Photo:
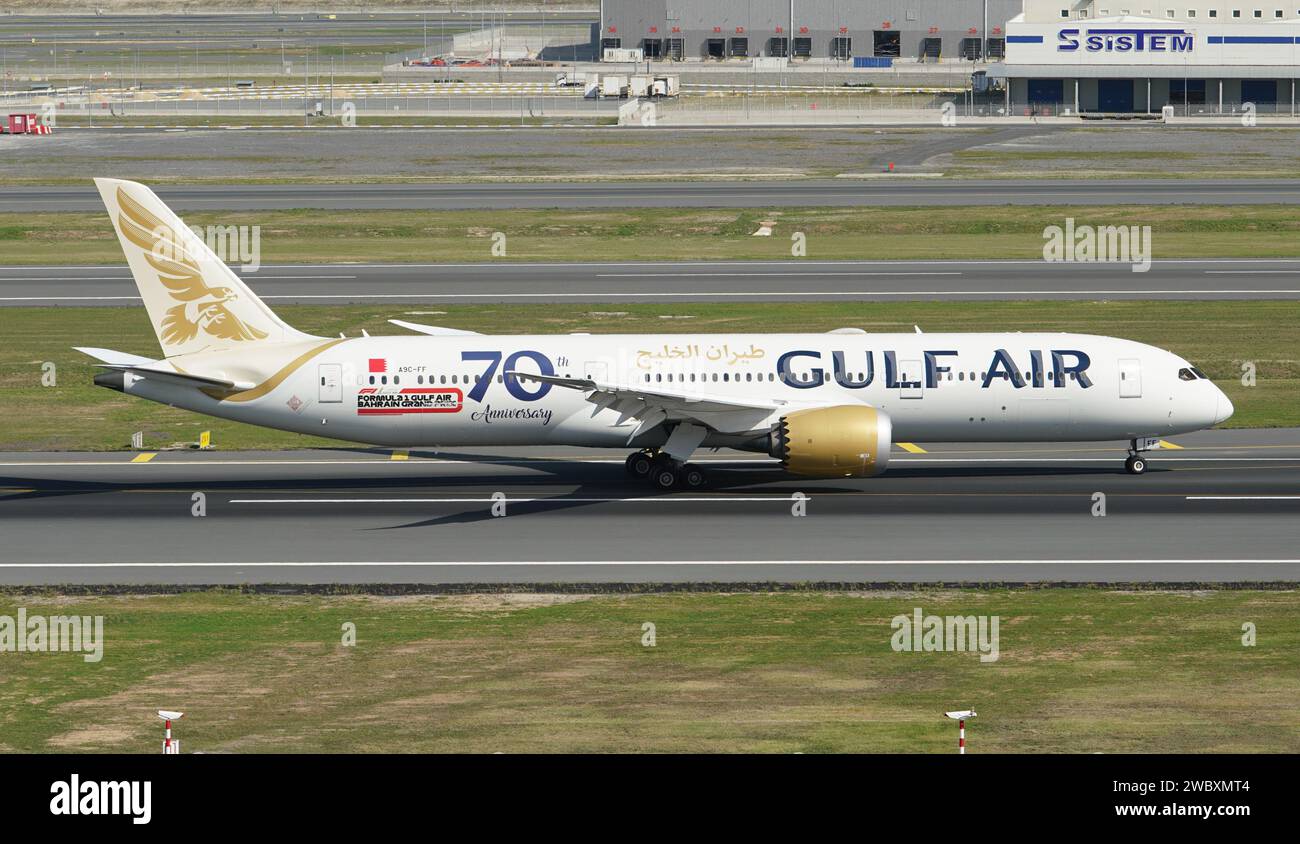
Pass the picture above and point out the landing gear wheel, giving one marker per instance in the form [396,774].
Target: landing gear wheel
[639,464]
[1135,465]
[664,476]
[692,477]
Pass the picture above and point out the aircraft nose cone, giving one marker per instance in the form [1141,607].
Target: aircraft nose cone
[1223,409]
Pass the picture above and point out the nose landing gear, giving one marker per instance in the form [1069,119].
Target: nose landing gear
[1136,464]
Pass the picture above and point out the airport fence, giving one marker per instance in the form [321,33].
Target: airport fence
[500,107]
[1207,110]
[831,106]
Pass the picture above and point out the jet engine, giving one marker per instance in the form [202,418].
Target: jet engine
[846,441]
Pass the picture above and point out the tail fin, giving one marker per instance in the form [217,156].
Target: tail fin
[196,303]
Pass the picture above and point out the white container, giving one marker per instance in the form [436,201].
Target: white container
[613,86]
[623,54]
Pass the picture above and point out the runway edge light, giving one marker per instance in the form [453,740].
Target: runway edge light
[960,717]
[170,745]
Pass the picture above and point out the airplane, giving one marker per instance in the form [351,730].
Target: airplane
[828,405]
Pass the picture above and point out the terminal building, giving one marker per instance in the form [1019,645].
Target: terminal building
[1138,56]
[856,31]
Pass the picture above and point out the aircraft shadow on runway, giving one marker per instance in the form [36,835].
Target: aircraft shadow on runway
[588,481]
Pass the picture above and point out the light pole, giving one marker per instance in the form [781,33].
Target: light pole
[960,717]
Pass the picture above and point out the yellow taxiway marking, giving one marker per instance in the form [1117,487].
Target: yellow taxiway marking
[400,454]
[144,458]
[1168,444]
[912,447]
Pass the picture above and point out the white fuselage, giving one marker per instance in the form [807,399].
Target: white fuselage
[452,390]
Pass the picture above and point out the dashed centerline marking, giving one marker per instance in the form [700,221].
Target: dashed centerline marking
[911,447]
[1168,444]
[400,454]
[144,458]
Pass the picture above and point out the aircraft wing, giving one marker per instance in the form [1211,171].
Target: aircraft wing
[652,406]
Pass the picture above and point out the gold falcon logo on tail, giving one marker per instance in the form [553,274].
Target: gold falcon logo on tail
[200,308]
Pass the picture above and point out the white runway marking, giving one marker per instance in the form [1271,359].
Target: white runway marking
[759,275]
[809,294]
[1243,497]
[739,263]
[667,499]
[418,460]
[722,294]
[247,276]
[626,563]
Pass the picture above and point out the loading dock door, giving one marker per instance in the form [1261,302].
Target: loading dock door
[1259,91]
[1115,95]
[777,47]
[841,48]
[675,49]
[931,48]
[739,48]
[888,43]
[716,48]
[802,48]
[652,48]
[1046,90]
[331,382]
[1130,378]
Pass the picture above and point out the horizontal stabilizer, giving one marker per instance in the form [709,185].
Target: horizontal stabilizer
[431,330]
[116,358]
[183,379]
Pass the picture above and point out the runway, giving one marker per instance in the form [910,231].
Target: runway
[693,193]
[693,281]
[1222,507]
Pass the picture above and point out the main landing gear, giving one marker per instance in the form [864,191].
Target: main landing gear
[663,471]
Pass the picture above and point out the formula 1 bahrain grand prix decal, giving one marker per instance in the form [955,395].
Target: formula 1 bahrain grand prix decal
[372,402]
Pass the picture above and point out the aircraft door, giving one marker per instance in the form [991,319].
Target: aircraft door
[331,383]
[1130,378]
[911,379]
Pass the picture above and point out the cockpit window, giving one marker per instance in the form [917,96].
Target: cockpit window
[1200,374]
[1186,374]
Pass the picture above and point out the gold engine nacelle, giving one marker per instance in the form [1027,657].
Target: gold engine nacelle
[845,441]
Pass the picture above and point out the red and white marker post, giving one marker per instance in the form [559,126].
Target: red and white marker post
[960,717]
[170,745]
